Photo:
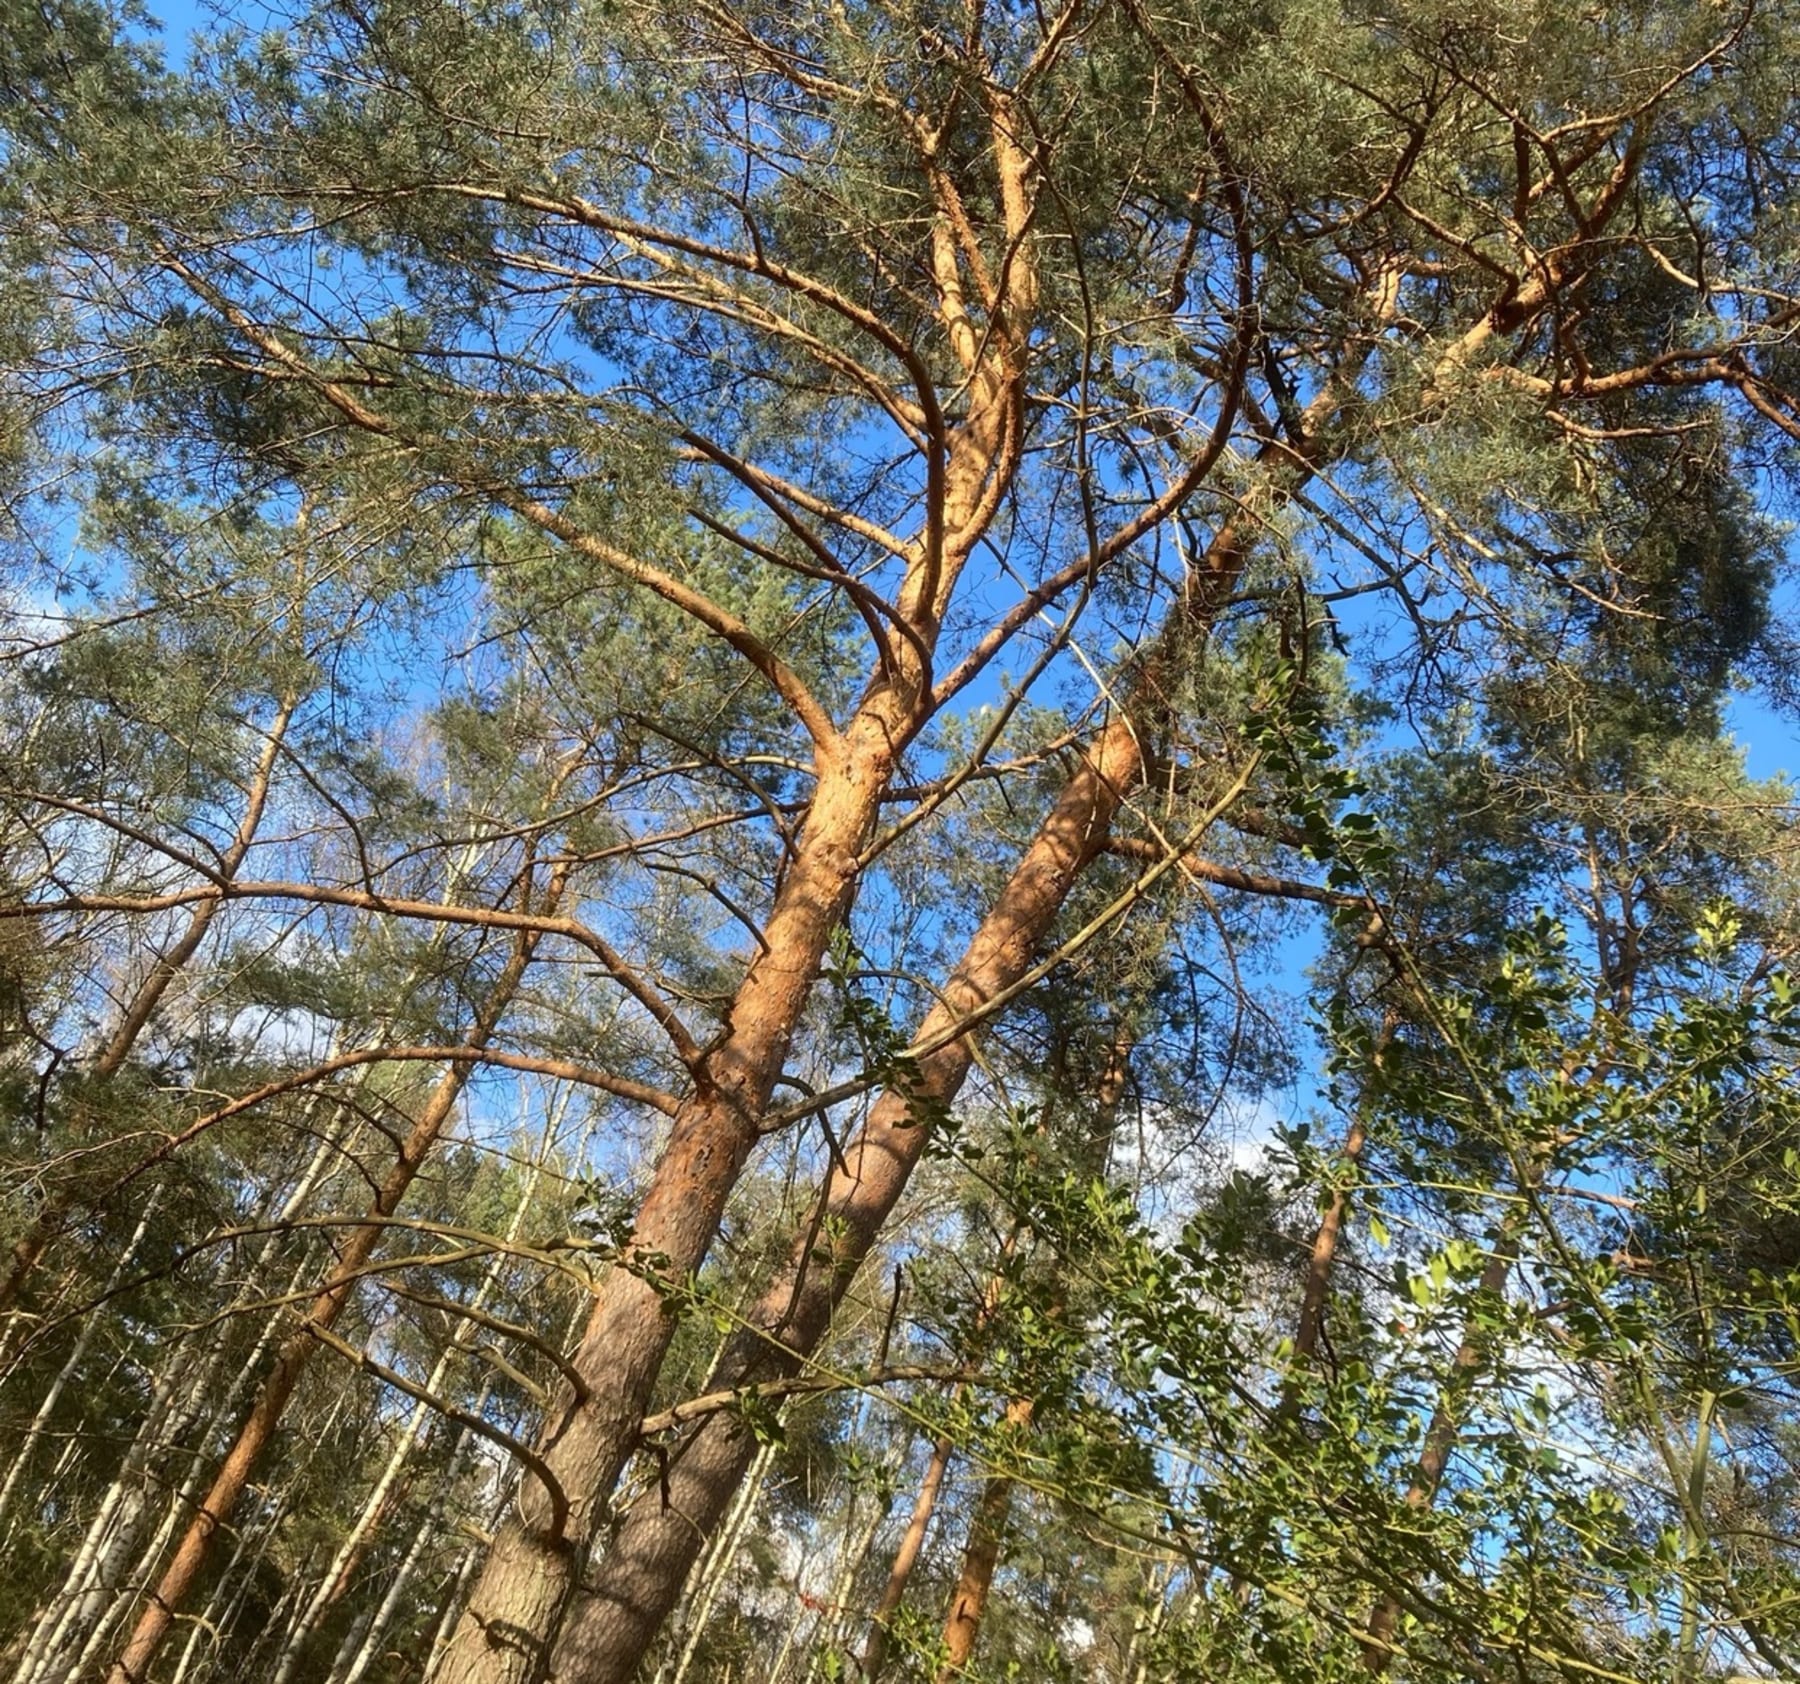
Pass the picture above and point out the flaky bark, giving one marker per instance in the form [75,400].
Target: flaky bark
[638,1581]
[516,1605]
[605,1632]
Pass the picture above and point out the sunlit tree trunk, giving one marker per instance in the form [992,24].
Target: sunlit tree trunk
[511,1629]
[633,1588]
[906,1558]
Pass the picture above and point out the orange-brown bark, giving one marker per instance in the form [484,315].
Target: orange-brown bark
[981,1559]
[906,1558]
[523,1599]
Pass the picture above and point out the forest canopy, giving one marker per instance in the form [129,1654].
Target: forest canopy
[884,839]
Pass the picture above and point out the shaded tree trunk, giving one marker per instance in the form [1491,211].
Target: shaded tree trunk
[906,1558]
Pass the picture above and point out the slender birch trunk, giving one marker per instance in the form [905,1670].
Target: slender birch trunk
[717,1565]
[71,1364]
[114,1528]
[329,1303]
[361,1535]
[375,1627]
[834,1619]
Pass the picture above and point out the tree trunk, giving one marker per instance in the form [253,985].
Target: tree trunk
[174,1411]
[987,1529]
[510,1629]
[72,1363]
[361,1536]
[253,1438]
[608,1630]
[506,1632]
[981,1558]
[906,1558]
[720,1561]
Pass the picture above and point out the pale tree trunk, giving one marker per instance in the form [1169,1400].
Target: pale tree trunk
[258,1429]
[91,1588]
[455,1598]
[716,1567]
[118,1508]
[359,1649]
[375,1628]
[88,1586]
[361,1535]
[1145,1629]
[71,1364]
[833,1621]
[176,1512]
[229,1595]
